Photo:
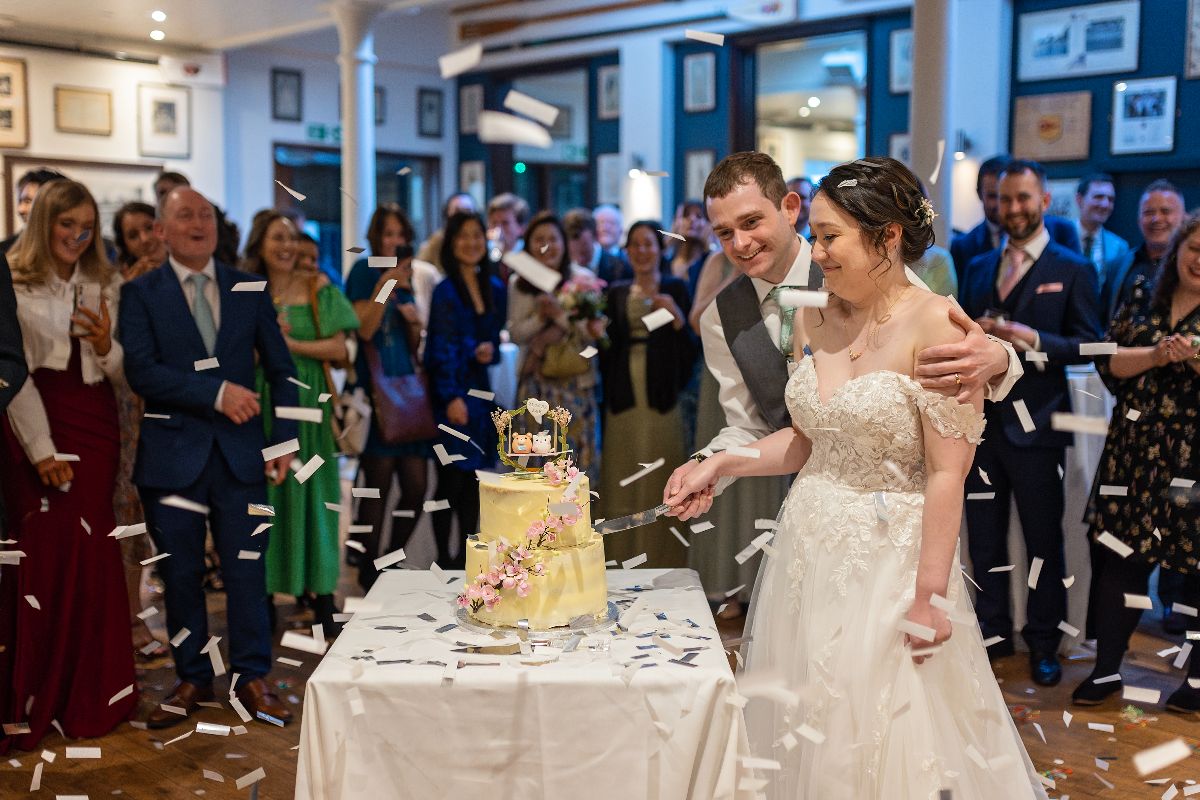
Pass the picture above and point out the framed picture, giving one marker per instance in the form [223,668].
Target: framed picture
[1144,116]
[608,92]
[287,95]
[696,166]
[1062,198]
[700,82]
[1088,39]
[900,148]
[164,120]
[473,180]
[429,113]
[14,104]
[608,178]
[1053,127]
[1193,40]
[380,105]
[470,103]
[900,61]
[561,129]
[79,110]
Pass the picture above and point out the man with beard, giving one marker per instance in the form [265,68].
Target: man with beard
[1043,298]
[1160,213]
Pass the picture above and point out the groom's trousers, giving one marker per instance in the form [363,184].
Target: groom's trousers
[1030,475]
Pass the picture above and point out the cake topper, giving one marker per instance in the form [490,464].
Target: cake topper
[512,444]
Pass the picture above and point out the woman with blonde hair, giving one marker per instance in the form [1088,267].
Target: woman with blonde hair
[64,602]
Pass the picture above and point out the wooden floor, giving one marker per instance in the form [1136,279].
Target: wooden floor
[139,764]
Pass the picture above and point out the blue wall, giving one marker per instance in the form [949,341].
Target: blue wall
[1162,52]
[887,113]
[702,130]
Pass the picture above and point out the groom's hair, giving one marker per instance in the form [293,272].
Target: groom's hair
[740,168]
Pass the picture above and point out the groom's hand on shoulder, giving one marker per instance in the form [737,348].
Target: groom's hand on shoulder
[961,369]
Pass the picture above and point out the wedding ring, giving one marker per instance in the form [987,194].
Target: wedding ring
[957,379]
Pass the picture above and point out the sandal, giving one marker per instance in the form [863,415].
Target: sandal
[148,650]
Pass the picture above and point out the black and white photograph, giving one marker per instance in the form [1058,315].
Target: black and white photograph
[1144,116]
[470,103]
[608,92]
[1091,39]
[699,82]
[14,110]
[429,112]
[287,95]
[900,61]
[164,120]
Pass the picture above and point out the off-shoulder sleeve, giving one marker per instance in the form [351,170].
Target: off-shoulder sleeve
[953,420]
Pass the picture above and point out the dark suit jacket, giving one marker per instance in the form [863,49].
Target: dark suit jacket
[12,349]
[1058,298]
[162,344]
[978,240]
[670,353]
[1119,276]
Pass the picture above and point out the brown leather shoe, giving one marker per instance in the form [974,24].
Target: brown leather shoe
[258,699]
[186,696]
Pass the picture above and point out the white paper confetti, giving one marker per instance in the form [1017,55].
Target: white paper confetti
[636,561]
[803,298]
[1154,759]
[701,527]
[657,319]
[481,394]
[460,61]
[1133,414]
[496,127]
[282,449]
[250,777]
[1113,543]
[385,291]
[385,561]
[175,501]
[206,363]
[532,270]
[435,505]
[1035,572]
[1078,423]
[545,113]
[642,472]
[1024,416]
[121,695]
[1136,694]
[299,197]
[704,36]
[250,286]
[306,472]
[299,413]
[1114,491]
[1097,348]
[1138,601]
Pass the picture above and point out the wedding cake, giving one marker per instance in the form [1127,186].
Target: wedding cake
[536,557]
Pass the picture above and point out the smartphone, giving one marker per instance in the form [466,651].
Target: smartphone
[87,295]
[404,252]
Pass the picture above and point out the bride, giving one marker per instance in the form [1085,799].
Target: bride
[861,590]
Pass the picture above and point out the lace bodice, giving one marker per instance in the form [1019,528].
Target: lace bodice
[868,435]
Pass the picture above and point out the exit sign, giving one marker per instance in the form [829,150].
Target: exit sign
[324,133]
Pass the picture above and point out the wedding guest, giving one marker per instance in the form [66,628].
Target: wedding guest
[64,630]
[609,228]
[27,189]
[644,371]
[803,188]
[431,248]
[1041,297]
[1155,378]
[687,257]
[228,235]
[139,250]
[469,309]
[584,248]
[1160,213]
[551,367]
[13,370]
[315,319]
[1096,197]
[389,342]
[192,346]
[507,216]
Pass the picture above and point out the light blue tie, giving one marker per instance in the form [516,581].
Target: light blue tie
[787,316]
[202,312]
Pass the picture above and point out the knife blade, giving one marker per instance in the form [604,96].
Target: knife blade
[632,521]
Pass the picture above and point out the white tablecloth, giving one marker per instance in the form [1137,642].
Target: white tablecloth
[622,722]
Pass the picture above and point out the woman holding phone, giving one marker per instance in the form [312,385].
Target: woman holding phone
[64,604]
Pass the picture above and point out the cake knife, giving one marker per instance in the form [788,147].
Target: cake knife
[632,521]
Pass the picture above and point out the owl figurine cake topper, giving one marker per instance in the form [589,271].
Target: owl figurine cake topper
[516,444]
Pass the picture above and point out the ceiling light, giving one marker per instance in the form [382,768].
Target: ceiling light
[157,36]
[814,101]
[158,16]
[1121,86]
[804,112]
[959,155]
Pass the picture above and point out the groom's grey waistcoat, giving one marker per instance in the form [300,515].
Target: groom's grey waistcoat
[764,369]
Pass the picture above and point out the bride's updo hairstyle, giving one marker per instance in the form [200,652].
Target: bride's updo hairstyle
[879,192]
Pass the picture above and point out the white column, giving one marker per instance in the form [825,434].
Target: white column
[930,117]
[356,62]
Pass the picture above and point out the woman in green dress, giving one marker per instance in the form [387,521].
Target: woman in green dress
[302,555]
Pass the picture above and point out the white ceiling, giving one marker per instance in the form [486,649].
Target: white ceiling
[190,24]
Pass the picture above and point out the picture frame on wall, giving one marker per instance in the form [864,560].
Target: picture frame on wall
[608,178]
[697,164]
[1192,67]
[699,82]
[1144,116]
[81,110]
[14,103]
[380,105]
[472,179]
[287,95]
[1053,127]
[561,129]
[429,112]
[1092,39]
[470,103]
[900,61]
[608,92]
[164,120]
[900,148]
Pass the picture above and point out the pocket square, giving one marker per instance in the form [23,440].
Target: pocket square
[1049,288]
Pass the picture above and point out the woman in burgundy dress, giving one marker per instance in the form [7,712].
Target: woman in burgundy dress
[64,619]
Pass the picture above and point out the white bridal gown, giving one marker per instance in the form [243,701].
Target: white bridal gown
[827,603]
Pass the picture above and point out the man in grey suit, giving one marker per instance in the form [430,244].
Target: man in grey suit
[754,215]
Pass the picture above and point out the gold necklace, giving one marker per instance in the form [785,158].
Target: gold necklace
[874,331]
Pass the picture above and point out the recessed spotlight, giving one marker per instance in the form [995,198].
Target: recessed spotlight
[814,101]
[1120,87]
[805,111]
[959,155]
[635,173]
[157,36]
[158,16]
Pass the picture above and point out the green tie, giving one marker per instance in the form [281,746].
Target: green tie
[202,312]
[786,315]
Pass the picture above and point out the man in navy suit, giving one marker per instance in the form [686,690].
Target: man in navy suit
[988,235]
[191,344]
[1042,298]
[12,349]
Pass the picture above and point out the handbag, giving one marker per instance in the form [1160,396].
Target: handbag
[562,359]
[351,413]
[402,409]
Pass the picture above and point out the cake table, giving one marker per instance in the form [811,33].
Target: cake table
[392,711]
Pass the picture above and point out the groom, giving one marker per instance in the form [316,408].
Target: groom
[747,333]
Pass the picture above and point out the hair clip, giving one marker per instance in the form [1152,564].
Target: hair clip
[848,182]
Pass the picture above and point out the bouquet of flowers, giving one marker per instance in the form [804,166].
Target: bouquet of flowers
[582,297]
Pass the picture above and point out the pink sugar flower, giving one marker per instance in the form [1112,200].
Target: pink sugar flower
[510,582]
[523,589]
[463,602]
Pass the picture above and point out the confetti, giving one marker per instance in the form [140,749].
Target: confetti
[531,107]
[299,413]
[301,384]
[1133,414]
[704,36]
[128,690]
[365,491]
[1068,629]
[1078,423]
[275,451]
[306,472]
[179,637]
[981,495]
[532,270]
[481,394]
[1097,348]
[675,532]
[249,555]
[1160,757]
[701,527]
[1033,356]
[1103,727]
[296,195]
[1023,415]
[205,364]
[152,559]
[496,127]
[1180,608]
[1114,491]
[1138,601]
[1113,543]
[636,561]
[175,501]
[803,298]
[657,319]
[385,561]
[1136,694]
[250,286]
[588,352]
[673,235]
[1069,581]
[458,62]
[356,250]
[642,472]
[445,457]
[385,291]
[298,641]
[1035,571]
[849,182]
[251,777]
[941,154]
[432,505]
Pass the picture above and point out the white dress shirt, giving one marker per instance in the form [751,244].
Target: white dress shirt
[212,292]
[744,422]
[44,313]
